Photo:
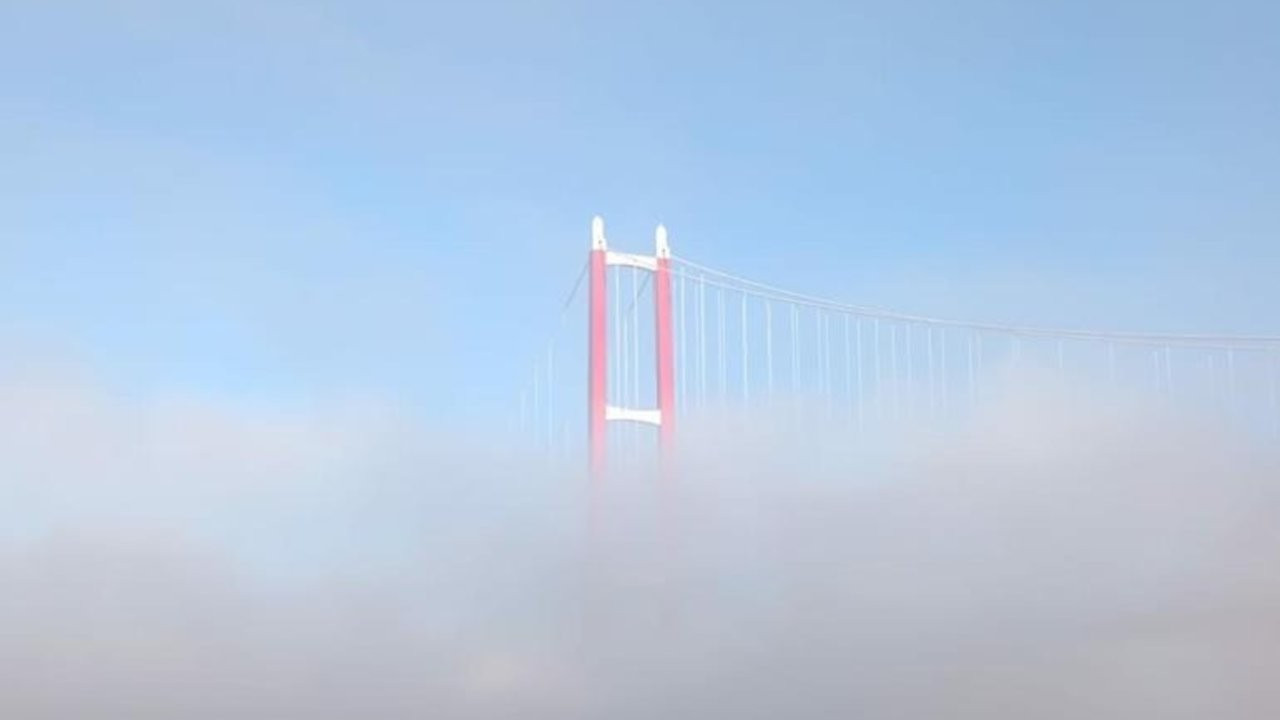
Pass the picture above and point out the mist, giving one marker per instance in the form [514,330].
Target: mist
[1061,553]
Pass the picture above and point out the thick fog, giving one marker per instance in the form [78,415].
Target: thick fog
[1062,554]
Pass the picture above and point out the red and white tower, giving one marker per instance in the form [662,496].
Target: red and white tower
[600,411]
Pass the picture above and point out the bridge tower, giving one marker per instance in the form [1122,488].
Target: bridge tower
[600,411]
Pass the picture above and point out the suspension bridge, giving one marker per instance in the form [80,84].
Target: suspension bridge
[668,339]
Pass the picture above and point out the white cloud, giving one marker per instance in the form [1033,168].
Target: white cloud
[1048,560]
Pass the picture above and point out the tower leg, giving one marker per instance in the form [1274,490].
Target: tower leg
[597,333]
[666,377]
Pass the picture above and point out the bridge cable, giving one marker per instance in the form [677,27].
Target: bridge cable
[768,345]
[1199,340]
[746,358]
[861,386]
[532,396]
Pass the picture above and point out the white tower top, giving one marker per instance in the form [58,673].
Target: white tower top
[597,234]
[661,248]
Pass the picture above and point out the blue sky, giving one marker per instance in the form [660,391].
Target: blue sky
[283,202]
